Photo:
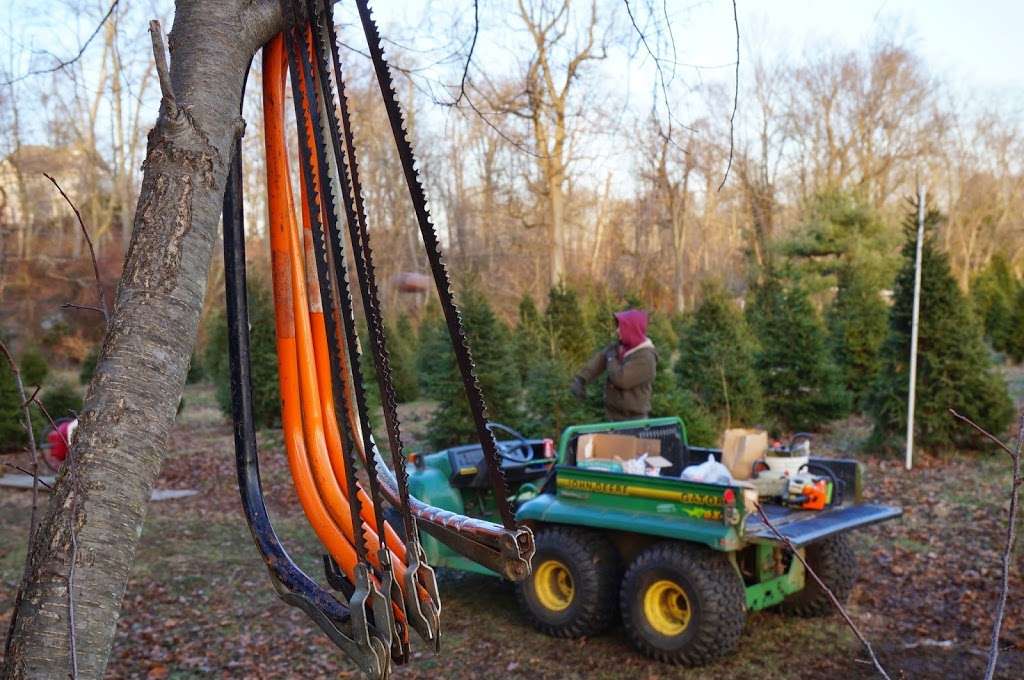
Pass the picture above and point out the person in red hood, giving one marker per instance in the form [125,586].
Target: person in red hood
[629,366]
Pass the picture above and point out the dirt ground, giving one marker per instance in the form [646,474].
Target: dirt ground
[199,603]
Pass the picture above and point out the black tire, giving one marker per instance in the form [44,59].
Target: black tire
[580,569]
[834,561]
[693,630]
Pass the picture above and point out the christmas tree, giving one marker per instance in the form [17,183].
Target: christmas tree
[490,342]
[857,323]
[716,361]
[262,353]
[402,342]
[802,385]
[953,366]
[994,293]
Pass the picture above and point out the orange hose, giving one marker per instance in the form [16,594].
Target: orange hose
[314,418]
[322,497]
[321,355]
[281,221]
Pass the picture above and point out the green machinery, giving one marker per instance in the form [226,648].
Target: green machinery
[681,562]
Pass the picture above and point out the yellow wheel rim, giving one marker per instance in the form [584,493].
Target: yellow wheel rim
[553,584]
[667,608]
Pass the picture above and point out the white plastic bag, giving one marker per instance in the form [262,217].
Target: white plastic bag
[635,466]
[708,472]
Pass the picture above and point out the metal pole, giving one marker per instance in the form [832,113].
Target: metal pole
[913,327]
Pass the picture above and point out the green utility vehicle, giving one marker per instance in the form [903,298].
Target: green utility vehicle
[681,562]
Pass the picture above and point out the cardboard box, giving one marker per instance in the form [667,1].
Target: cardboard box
[611,446]
[740,448]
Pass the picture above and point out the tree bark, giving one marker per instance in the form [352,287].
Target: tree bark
[100,499]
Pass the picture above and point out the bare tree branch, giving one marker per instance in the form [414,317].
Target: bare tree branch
[735,98]
[469,57]
[985,433]
[156,34]
[1011,533]
[27,415]
[828,591]
[64,63]
[27,472]
[101,294]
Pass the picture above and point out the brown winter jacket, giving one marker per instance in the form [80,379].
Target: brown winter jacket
[628,382]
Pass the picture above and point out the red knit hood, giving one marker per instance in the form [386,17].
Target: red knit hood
[632,329]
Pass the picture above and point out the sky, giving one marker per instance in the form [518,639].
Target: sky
[973,44]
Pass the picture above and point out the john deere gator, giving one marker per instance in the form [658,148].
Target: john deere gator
[681,562]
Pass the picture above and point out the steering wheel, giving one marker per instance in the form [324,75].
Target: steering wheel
[520,453]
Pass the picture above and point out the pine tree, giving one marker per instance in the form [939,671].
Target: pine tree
[490,344]
[550,407]
[434,343]
[953,366]
[716,362]
[801,383]
[1013,343]
[12,425]
[566,327]
[669,398]
[838,229]
[33,366]
[402,351]
[564,345]
[994,292]
[263,356]
[528,337]
[857,322]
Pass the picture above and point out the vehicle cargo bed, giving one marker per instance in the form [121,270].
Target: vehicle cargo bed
[807,526]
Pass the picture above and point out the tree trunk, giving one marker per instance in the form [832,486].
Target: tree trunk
[557,216]
[100,500]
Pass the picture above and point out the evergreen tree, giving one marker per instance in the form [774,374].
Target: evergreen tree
[33,366]
[371,389]
[528,338]
[88,366]
[550,407]
[953,366]
[196,370]
[669,398]
[1013,342]
[802,385]
[857,323]
[565,343]
[434,343]
[838,229]
[263,354]
[402,350]
[489,340]
[716,362]
[12,425]
[60,401]
[565,326]
[994,292]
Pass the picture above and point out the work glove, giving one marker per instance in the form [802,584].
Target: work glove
[578,388]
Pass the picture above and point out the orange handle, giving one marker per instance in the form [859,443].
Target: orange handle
[281,221]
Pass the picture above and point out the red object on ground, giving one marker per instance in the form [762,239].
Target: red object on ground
[412,282]
[58,439]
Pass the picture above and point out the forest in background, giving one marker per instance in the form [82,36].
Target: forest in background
[560,202]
